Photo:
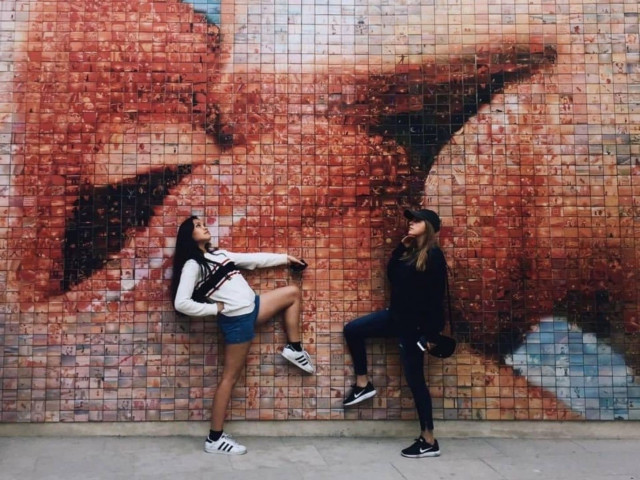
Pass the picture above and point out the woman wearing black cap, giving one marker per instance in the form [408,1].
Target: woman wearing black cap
[417,275]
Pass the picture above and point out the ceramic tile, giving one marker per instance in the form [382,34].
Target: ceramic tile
[309,132]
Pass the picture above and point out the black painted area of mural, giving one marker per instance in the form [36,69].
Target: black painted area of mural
[601,314]
[447,107]
[595,312]
[103,216]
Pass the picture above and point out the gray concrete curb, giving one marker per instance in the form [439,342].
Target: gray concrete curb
[336,428]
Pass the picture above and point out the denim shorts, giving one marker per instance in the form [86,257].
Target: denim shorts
[239,329]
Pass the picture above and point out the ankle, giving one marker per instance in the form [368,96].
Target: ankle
[429,438]
[362,383]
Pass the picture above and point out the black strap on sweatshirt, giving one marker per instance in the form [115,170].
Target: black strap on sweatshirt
[213,281]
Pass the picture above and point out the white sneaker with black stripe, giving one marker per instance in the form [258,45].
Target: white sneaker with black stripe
[299,359]
[224,445]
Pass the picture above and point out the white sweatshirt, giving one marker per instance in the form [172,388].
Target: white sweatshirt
[233,290]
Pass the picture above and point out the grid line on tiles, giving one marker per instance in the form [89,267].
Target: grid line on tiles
[307,127]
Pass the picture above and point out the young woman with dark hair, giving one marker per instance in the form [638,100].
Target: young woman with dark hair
[207,281]
[417,275]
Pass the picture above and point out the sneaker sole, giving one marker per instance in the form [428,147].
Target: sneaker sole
[361,398]
[309,369]
[422,455]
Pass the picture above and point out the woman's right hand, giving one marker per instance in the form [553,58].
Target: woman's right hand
[220,306]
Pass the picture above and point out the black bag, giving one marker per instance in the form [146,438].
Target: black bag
[445,346]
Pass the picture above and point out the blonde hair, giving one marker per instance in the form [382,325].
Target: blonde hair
[418,252]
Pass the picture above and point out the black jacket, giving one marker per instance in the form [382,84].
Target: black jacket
[417,298]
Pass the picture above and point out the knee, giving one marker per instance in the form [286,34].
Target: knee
[230,378]
[293,292]
[347,330]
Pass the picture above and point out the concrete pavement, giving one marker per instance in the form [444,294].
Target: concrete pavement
[316,457]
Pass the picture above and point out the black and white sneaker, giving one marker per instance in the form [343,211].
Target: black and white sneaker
[421,448]
[224,445]
[359,394]
[299,359]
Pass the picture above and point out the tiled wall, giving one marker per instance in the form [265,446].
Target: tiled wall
[306,126]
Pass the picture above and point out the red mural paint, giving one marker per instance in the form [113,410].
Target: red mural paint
[130,116]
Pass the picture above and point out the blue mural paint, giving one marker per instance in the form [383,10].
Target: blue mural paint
[580,369]
[211,8]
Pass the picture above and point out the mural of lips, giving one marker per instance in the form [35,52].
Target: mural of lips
[307,128]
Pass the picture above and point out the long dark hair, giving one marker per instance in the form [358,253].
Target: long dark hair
[418,252]
[187,249]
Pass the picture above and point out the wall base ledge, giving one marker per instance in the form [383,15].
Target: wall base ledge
[336,428]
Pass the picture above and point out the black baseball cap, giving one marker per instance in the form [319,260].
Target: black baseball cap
[426,215]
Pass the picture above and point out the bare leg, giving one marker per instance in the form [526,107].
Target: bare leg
[235,356]
[286,300]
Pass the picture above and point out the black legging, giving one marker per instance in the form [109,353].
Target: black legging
[381,324]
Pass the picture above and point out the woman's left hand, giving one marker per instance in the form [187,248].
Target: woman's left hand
[291,259]
[296,264]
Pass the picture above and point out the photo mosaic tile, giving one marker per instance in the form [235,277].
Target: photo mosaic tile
[307,127]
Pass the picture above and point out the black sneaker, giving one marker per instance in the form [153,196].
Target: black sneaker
[359,394]
[421,448]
